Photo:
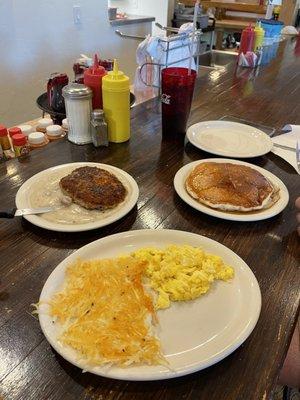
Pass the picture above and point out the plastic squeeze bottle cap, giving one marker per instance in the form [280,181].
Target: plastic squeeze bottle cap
[115,80]
[259,36]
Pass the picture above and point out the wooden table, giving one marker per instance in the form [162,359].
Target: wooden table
[30,369]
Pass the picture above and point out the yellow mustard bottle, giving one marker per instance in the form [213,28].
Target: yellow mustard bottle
[259,35]
[116,104]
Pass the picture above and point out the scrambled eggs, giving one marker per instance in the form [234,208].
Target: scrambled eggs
[180,273]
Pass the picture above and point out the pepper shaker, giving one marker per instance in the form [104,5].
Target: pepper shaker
[99,128]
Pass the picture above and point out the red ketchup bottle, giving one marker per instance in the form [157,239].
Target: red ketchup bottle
[247,40]
[93,79]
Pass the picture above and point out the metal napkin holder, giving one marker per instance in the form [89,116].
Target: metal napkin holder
[183,39]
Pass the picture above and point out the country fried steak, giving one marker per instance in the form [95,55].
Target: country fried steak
[93,188]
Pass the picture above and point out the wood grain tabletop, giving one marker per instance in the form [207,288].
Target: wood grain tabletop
[31,370]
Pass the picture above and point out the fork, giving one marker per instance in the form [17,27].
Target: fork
[281,146]
[298,155]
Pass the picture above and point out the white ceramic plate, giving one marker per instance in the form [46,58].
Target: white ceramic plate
[25,191]
[194,334]
[229,139]
[182,174]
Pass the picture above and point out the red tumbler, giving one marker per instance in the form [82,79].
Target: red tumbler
[177,94]
[92,78]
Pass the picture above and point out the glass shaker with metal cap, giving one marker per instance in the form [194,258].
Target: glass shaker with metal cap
[99,128]
[78,102]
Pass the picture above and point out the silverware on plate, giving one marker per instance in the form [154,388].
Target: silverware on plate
[14,212]
[281,146]
[298,155]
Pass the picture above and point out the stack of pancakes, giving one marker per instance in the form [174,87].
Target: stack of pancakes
[231,187]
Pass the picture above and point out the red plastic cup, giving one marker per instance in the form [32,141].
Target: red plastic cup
[177,94]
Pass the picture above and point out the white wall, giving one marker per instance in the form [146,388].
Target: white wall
[160,9]
[38,37]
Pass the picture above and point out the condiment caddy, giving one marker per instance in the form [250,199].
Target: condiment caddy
[88,126]
[250,50]
[98,112]
[259,44]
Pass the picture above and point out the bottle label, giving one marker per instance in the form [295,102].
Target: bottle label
[166,98]
[21,151]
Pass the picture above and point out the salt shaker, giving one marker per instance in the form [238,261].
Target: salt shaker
[99,128]
[78,102]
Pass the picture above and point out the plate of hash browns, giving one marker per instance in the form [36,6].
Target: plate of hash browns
[149,305]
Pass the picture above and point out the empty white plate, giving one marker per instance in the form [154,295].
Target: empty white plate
[194,334]
[229,139]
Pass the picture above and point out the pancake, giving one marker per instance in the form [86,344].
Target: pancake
[231,187]
[93,188]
